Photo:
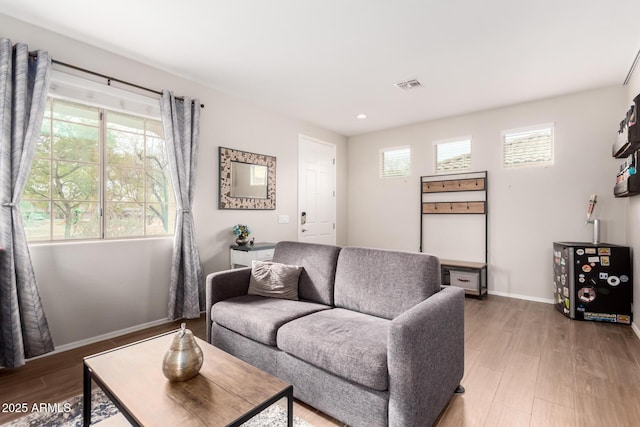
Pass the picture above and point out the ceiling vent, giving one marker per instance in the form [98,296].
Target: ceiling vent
[409,84]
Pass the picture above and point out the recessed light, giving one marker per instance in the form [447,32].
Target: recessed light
[361,116]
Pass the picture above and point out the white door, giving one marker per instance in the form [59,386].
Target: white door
[316,191]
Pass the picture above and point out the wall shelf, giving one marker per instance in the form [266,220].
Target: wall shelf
[626,147]
[628,187]
[628,139]
[623,148]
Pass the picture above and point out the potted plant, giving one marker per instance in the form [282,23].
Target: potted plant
[241,232]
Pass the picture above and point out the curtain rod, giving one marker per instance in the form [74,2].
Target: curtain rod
[109,78]
[113,79]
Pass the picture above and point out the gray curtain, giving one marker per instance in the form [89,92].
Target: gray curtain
[181,121]
[24,84]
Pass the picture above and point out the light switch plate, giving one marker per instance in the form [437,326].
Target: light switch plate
[283,219]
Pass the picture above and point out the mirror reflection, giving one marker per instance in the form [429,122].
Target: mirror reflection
[248,180]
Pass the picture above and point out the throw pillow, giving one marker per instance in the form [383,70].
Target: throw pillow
[272,279]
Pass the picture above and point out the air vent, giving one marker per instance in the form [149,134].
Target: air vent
[409,84]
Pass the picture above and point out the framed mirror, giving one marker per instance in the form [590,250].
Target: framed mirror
[247,180]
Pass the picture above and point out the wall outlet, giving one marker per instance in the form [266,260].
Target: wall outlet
[283,219]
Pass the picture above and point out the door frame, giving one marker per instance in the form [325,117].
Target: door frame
[333,146]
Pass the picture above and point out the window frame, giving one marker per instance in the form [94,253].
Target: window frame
[529,130]
[102,179]
[439,142]
[397,149]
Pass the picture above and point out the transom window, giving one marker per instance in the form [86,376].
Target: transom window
[395,162]
[97,174]
[452,155]
[532,146]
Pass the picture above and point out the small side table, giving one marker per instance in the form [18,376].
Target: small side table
[243,255]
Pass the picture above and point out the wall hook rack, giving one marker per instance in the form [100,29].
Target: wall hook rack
[474,186]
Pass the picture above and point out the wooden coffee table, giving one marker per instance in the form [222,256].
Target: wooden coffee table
[226,392]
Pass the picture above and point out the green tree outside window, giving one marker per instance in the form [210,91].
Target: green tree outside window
[97,174]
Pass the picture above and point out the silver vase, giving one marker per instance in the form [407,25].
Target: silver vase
[184,358]
[242,240]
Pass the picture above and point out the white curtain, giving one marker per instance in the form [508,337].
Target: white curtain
[181,121]
[24,84]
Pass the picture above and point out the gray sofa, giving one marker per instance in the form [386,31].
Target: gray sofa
[373,341]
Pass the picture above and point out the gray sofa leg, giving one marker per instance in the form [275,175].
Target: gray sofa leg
[459,389]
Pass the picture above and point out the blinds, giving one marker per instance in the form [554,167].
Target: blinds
[395,162]
[528,147]
[452,156]
[74,88]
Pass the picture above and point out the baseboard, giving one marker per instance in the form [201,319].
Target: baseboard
[636,329]
[114,334]
[517,296]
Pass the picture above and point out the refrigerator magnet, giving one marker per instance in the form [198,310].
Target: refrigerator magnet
[587,295]
[613,280]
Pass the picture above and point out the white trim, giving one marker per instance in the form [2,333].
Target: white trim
[636,329]
[524,297]
[316,140]
[103,337]
[96,240]
[394,148]
[77,89]
[532,128]
[456,139]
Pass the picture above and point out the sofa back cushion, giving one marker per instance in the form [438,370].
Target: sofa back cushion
[384,283]
[319,268]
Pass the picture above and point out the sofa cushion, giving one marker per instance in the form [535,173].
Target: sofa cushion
[275,280]
[348,344]
[259,318]
[319,263]
[384,283]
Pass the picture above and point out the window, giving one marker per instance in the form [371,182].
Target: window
[531,146]
[395,162]
[97,173]
[258,177]
[452,155]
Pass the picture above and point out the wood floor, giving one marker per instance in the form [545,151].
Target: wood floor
[525,365]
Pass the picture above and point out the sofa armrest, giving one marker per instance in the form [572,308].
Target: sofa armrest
[426,358]
[223,285]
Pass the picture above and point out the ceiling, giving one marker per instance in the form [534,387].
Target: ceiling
[325,61]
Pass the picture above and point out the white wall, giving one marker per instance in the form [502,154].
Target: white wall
[529,208]
[96,288]
[633,211]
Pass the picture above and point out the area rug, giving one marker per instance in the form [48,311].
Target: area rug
[69,414]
